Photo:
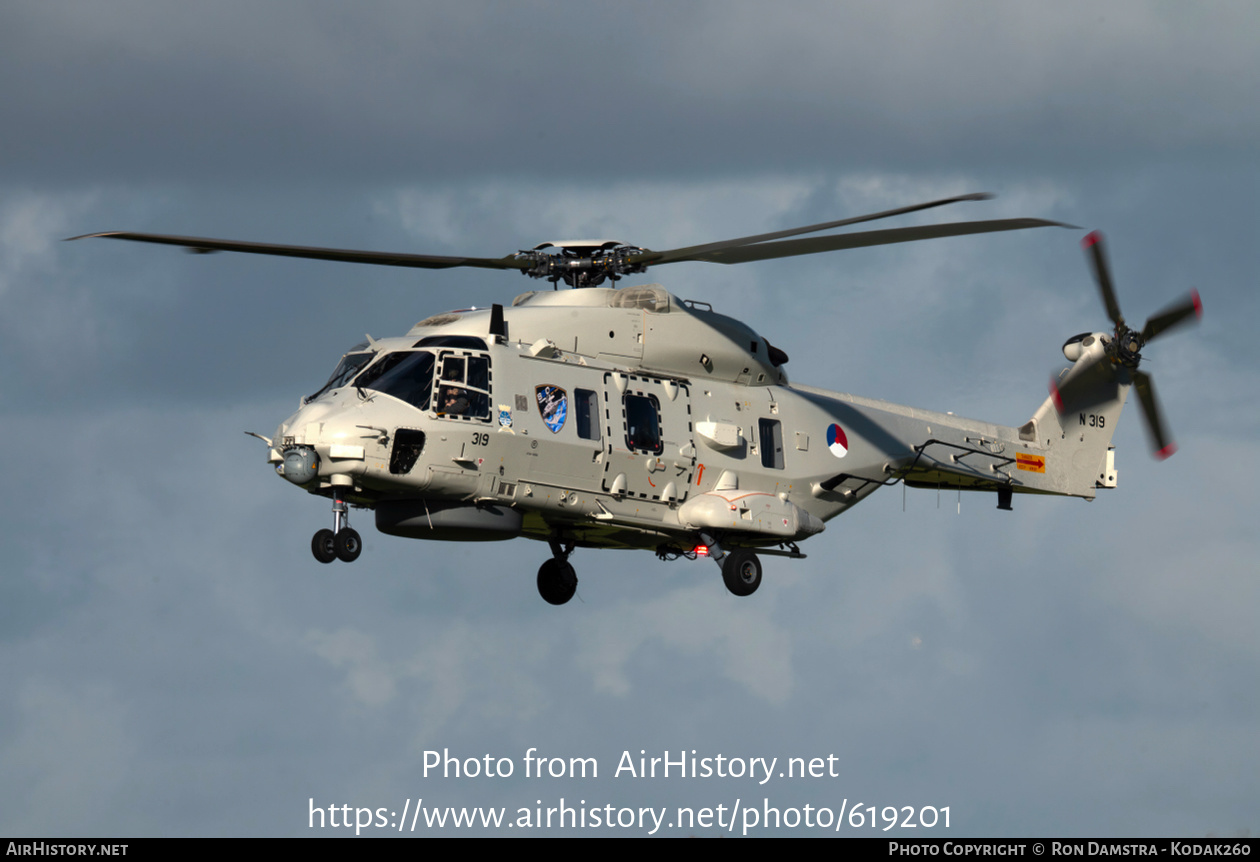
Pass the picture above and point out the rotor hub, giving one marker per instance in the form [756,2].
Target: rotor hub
[1127,346]
[581,264]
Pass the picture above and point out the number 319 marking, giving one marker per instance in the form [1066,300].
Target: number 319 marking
[481,439]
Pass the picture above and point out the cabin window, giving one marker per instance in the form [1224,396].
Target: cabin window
[643,424]
[770,431]
[586,408]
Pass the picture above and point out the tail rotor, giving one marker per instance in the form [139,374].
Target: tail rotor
[1122,353]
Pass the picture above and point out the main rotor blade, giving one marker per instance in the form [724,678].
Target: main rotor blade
[1093,245]
[382,258]
[814,245]
[1178,312]
[1163,444]
[690,252]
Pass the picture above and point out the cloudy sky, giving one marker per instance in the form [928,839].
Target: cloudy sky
[176,663]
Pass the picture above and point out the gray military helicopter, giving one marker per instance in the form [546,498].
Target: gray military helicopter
[629,418]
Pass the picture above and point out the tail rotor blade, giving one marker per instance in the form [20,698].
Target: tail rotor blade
[1173,315]
[1084,388]
[1093,245]
[1163,444]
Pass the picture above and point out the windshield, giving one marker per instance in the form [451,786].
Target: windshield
[406,375]
[344,372]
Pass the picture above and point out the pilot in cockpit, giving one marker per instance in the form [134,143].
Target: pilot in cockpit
[453,400]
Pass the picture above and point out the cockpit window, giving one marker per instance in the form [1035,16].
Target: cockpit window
[349,366]
[464,386]
[406,375]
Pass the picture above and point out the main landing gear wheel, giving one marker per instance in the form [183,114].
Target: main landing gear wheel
[348,545]
[557,582]
[324,546]
[741,571]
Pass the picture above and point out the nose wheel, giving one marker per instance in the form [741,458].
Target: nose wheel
[342,542]
[324,546]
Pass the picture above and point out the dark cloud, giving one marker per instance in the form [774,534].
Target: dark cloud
[177,664]
[239,94]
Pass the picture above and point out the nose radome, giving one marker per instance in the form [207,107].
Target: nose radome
[301,465]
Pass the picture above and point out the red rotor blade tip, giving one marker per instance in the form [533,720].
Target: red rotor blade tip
[1198,303]
[1091,238]
[1055,396]
[1166,452]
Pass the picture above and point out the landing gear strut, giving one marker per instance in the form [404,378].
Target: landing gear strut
[557,582]
[341,542]
[741,570]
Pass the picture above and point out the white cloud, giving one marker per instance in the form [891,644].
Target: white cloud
[699,623]
[30,227]
[369,680]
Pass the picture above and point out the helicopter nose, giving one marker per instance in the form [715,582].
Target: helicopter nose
[316,439]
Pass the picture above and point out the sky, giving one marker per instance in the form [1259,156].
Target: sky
[177,664]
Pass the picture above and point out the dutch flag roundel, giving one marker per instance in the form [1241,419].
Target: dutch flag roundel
[837,442]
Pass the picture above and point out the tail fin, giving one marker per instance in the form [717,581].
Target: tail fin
[1082,428]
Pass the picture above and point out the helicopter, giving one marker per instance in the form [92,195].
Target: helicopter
[626,417]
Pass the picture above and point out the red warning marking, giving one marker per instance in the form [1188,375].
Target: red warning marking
[1031,463]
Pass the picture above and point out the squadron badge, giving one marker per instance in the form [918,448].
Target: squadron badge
[553,404]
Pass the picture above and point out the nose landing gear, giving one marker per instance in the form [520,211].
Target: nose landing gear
[324,546]
[557,582]
[341,542]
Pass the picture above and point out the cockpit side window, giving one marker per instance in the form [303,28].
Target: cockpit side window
[349,366]
[463,386]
